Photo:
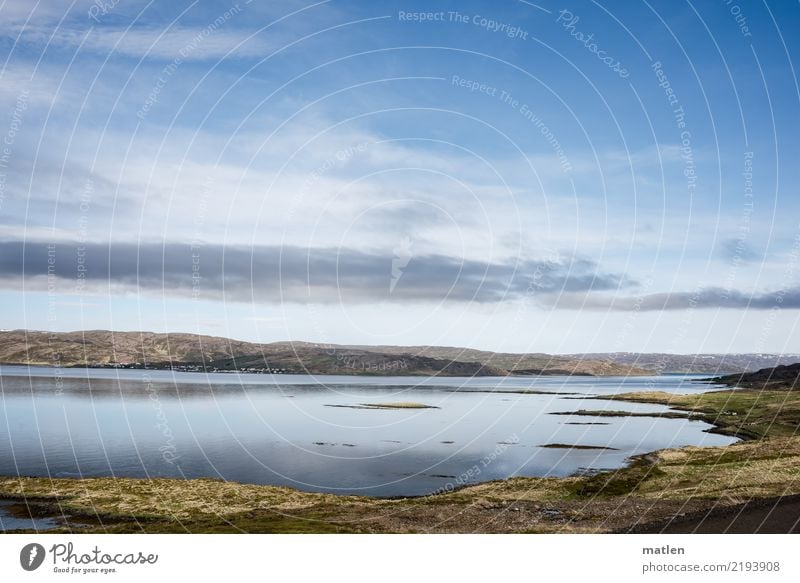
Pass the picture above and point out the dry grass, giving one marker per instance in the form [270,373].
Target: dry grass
[654,488]
[739,472]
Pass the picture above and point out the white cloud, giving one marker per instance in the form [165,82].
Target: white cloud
[184,43]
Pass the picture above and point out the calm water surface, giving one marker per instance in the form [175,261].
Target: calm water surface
[281,430]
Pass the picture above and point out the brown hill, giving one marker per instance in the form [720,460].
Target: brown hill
[520,363]
[102,348]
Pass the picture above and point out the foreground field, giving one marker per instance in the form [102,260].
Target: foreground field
[660,491]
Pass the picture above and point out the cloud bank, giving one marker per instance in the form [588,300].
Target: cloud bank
[290,273]
[705,298]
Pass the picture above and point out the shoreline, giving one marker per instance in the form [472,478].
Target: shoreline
[626,500]
[655,488]
[349,372]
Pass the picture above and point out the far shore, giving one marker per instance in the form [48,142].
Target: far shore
[345,371]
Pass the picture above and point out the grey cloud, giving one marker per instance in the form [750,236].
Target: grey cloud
[715,297]
[711,297]
[293,274]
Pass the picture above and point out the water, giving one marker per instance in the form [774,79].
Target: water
[279,430]
[18,521]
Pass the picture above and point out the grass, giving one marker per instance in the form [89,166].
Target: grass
[739,472]
[745,413]
[166,505]
[622,482]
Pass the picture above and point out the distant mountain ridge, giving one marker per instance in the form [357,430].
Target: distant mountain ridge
[661,363]
[102,348]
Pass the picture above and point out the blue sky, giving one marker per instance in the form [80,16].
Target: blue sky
[559,177]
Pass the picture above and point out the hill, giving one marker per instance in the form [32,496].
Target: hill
[522,363]
[102,348]
[660,363]
[781,378]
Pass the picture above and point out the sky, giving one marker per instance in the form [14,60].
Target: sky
[561,177]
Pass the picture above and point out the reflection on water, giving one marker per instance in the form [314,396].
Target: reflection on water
[278,430]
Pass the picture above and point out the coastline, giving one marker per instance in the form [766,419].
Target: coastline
[652,489]
[351,371]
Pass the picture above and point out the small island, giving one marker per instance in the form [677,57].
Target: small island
[387,406]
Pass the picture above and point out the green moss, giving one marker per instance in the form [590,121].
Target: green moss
[621,482]
[743,413]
